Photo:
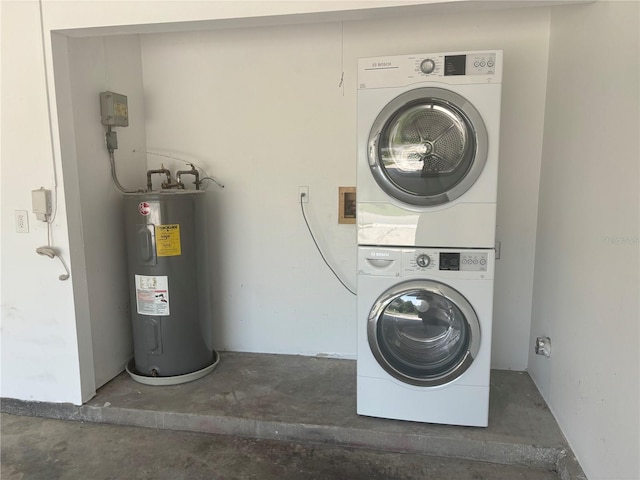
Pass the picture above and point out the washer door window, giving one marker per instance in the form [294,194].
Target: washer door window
[423,333]
[427,147]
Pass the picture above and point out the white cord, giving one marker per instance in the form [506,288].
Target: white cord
[318,247]
[46,83]
[213,180]
[51,217]
[341,84]
[53,253]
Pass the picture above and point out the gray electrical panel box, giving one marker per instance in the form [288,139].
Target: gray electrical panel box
[114,109]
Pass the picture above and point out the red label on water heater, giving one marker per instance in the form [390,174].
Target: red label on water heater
[144,208]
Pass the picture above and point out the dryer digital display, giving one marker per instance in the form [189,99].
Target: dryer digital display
[455,65]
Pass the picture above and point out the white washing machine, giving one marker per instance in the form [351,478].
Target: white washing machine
[424,334]
[428,136]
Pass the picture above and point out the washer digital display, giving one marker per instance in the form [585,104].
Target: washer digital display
[449,261]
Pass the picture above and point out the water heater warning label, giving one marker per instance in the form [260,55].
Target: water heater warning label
[168,240]
[152,295]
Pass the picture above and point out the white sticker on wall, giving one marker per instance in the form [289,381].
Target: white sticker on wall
[152,295]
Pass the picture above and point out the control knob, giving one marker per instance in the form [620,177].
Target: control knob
[427,66]
[423,260]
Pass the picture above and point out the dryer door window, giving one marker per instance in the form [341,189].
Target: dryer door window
[427,147]
[424,333]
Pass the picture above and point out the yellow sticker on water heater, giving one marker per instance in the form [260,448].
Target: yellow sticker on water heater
[168,240]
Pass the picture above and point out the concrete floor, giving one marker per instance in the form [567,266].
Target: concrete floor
[39,449]
[306,405]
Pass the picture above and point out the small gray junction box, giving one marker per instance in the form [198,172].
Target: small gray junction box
[114,109]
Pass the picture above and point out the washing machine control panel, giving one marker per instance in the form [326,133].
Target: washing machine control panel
[464,261]
[419,260]
[423,260]
[399,262]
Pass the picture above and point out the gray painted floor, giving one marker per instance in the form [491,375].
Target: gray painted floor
[39,449]
[308,406]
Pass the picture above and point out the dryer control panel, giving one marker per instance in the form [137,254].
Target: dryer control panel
[458,64]
[454,68]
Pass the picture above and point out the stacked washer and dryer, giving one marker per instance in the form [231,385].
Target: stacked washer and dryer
[428,135]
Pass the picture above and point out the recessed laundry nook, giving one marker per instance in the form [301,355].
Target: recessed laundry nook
[326,305]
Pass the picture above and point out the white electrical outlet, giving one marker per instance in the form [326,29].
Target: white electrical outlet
[22,221]
[303,192]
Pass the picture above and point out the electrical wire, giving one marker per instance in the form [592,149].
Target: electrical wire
[49,115]
[52,216]
[114,176]
[341,84]
[318,247]
[112,160]
[212,180]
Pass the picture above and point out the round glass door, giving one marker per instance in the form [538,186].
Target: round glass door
[423,333]
[427,147]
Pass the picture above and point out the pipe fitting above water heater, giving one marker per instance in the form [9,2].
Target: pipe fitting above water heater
[169,183]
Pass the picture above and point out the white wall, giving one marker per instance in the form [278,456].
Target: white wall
[39,343]
[95,65]
[587,288]
[47,347]
[261,109]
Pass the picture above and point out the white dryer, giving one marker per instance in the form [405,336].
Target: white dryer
[428,135]
[424,334]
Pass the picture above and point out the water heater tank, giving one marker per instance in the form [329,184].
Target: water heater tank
[166,236]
